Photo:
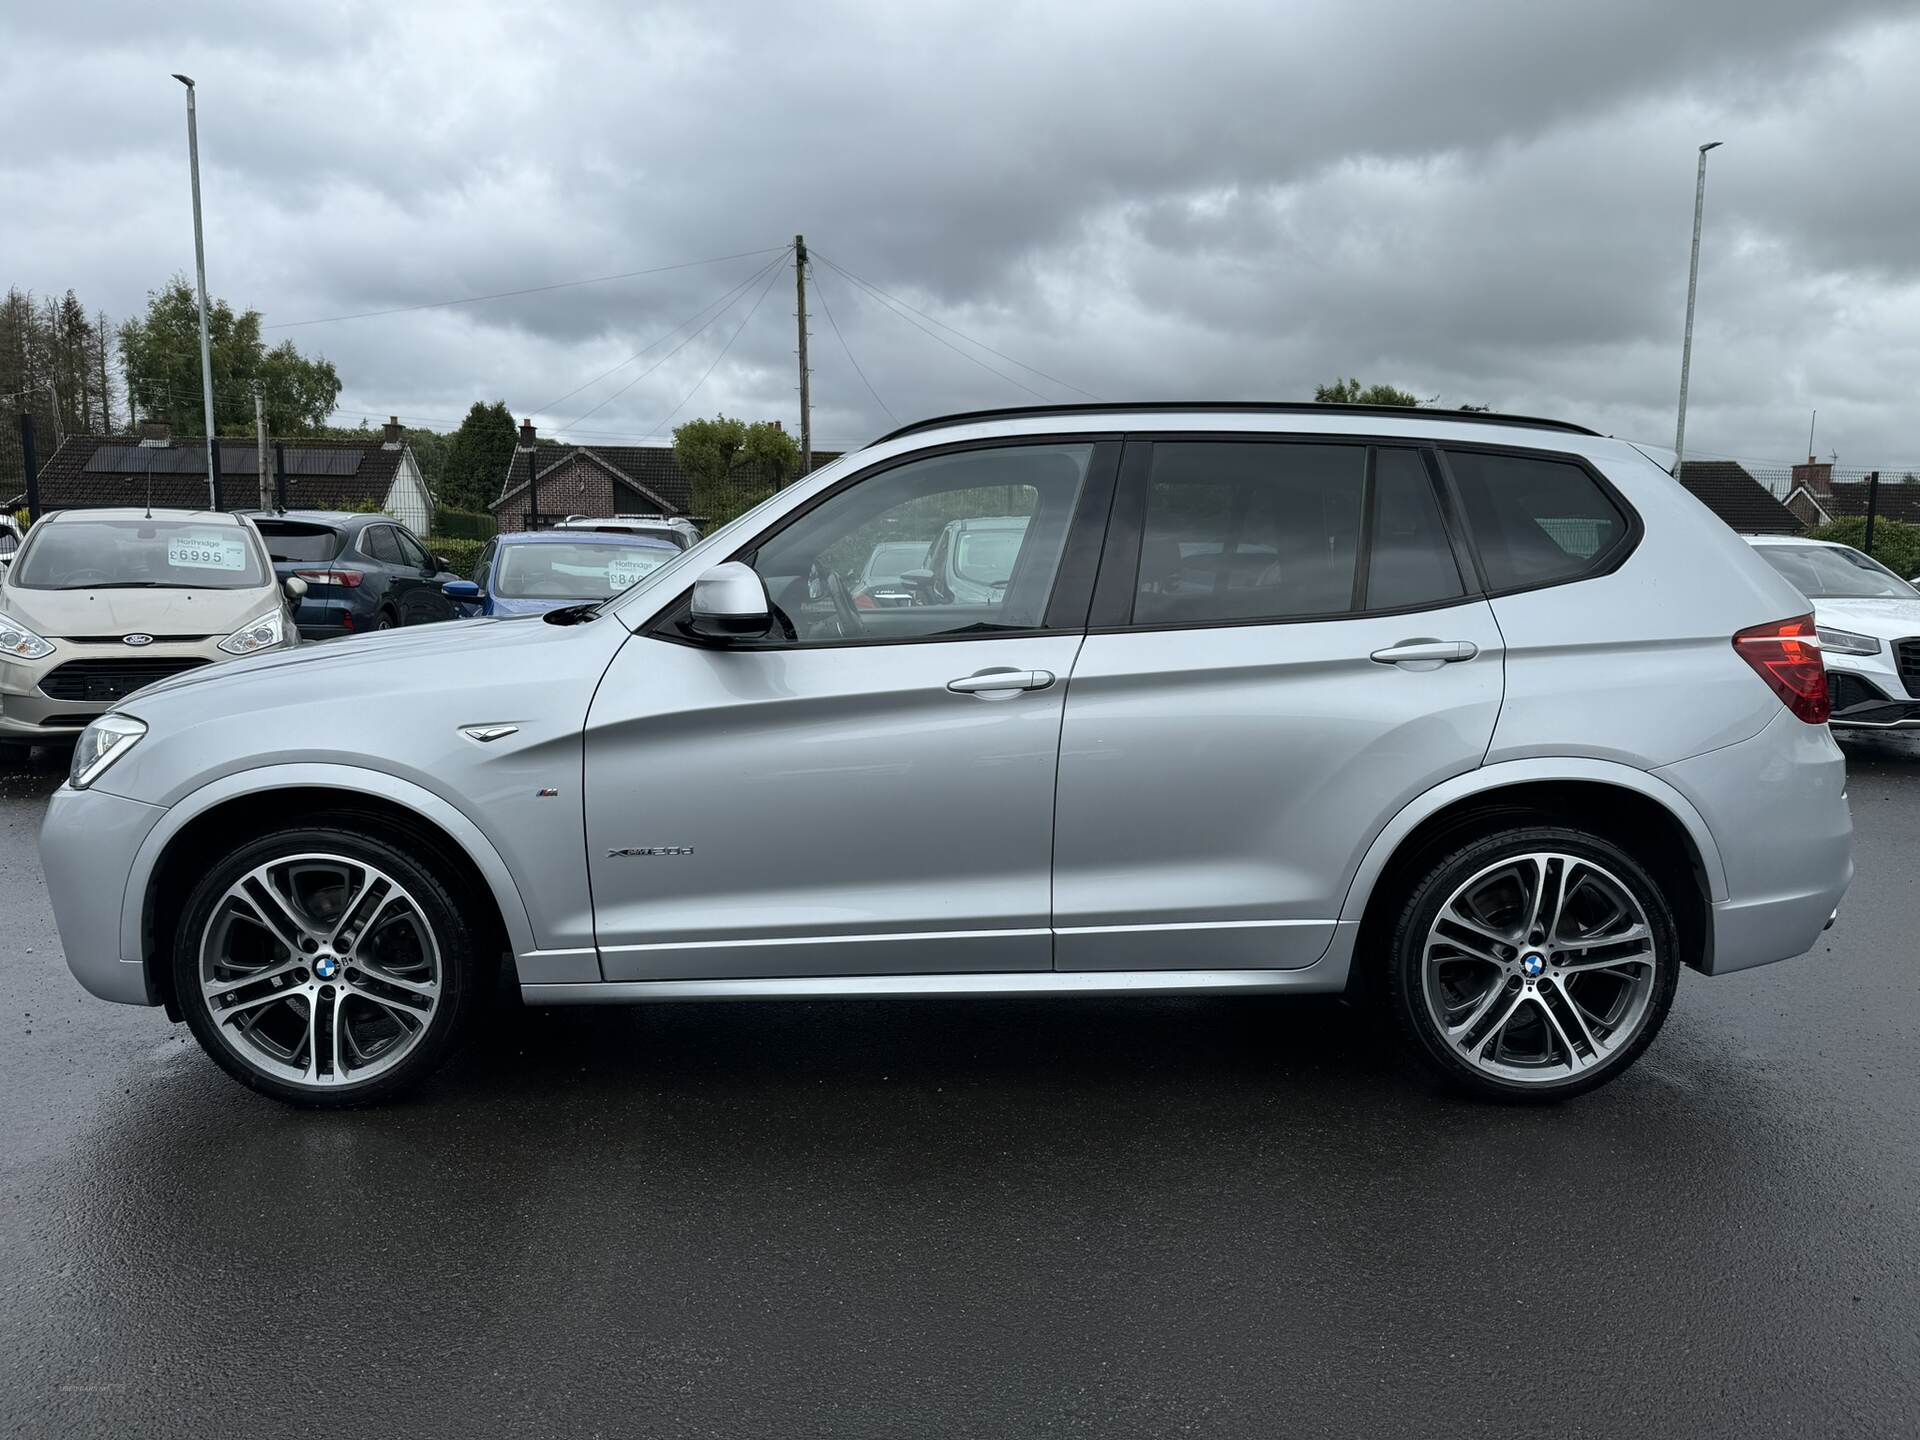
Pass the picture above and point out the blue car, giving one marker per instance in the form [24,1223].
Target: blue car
[541,570]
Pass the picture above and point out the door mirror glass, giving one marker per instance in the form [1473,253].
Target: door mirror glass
[730,603]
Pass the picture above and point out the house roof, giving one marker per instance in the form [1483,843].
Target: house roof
[89,471]
[1737,498]
[1898,500]
[649,469]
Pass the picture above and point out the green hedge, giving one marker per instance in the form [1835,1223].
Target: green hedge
[464,524]
[462,554]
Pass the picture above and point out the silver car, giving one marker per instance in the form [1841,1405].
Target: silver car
[1485,720]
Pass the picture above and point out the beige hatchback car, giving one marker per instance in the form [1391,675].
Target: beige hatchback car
[98,603]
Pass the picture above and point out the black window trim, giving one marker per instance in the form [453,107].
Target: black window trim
[1119,582]
[1074,581]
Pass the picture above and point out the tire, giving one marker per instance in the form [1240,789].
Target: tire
[1543,1009]
[387,621]
[324,1001]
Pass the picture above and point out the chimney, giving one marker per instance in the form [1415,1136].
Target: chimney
[1816,476]
[156,434]
[392,441]
[779,426]
[526,434]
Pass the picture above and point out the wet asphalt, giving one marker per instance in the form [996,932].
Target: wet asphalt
[1114,1218]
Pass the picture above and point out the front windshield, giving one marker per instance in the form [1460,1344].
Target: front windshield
[208,553]
[1837,572]
[580,570]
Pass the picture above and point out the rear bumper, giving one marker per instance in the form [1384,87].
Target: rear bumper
[1777,807]
[87,847]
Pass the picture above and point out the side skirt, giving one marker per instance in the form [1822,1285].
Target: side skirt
[1328,976]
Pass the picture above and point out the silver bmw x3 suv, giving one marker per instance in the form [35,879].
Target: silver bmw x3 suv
[1481,718]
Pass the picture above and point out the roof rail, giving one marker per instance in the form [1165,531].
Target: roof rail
[1271,407]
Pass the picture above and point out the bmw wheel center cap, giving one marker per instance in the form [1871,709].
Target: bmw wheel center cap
[326,967]
[1532,964]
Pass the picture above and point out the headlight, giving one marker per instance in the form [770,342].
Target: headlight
[100,744]
[19,643]
[262,634]
[1845,642]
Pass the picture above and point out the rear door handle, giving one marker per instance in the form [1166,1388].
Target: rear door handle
[987,682]
[1430,652]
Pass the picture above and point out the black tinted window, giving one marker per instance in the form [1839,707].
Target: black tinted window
[1535,521]
[378,541]
[1246,531]
[287,541]
[412,552]
[1412,560]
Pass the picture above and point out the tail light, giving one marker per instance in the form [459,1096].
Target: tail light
[350,579]
[1786,654]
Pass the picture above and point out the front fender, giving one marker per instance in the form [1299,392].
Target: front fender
[350,781]
[1536,769]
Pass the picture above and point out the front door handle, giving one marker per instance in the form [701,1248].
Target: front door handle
[1427,652]
[989,682]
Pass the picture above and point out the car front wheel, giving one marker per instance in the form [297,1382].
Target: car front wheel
[324,967]
[1533,964]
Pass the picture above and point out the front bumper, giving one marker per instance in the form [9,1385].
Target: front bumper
[1868,692]
[87,847]
[58,697]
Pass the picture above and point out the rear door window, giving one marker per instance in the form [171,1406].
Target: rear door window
[412,552]
[1536,520]
[378,541]
[1409,556]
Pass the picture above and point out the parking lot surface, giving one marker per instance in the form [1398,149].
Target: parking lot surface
[1210,1217]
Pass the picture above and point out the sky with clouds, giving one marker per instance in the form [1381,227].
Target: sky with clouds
[1484,202]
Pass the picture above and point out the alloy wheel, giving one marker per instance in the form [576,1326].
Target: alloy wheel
[1539,968]
[320,970]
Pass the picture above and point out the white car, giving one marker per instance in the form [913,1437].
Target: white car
[1869,622]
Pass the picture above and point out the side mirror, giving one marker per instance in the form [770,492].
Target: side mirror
[296,589]
[460,590]
[730,603]
[440,562]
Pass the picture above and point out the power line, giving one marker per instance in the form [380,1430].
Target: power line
[1063,384]
[529,290]
[723,351]
[844,346]
[769,269]
[551,404]
[975,359]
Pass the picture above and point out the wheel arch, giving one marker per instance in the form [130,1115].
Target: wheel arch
[251,802]
[1636,810]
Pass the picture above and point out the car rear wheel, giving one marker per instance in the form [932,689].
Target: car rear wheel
[387,621]
[1533,964]
[324,967]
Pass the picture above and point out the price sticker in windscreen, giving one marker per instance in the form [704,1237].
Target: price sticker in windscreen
[207,552]
[628,570]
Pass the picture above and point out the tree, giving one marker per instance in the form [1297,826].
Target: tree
[476,458]
[732,466]
[161,353]
[1351,392]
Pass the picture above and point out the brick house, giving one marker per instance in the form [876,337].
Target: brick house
[93,471]
[1818,497]
[1736,497]
[598,480]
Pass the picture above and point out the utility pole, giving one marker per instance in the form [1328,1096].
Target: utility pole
[1693,280]
[200,272]
[260,445]
[1873,505]
[806,400]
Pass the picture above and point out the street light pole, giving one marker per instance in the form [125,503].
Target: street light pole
[200,272]
[1693,281]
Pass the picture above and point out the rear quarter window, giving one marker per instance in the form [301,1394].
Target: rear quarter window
[1536,520]
[288,542]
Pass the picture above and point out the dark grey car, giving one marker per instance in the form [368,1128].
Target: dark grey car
[363,572]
